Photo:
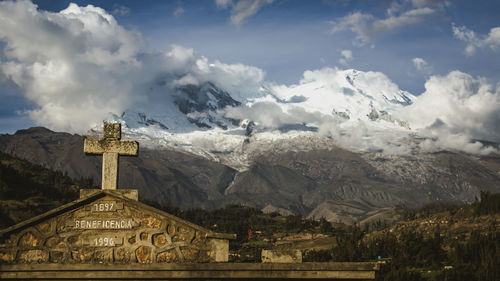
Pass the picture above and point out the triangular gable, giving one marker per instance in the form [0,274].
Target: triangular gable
[104,227]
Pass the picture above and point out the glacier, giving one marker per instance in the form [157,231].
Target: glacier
[356,110]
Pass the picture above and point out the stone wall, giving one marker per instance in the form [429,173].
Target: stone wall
[281,256]
[112,230]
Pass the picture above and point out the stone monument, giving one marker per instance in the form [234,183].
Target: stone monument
[110,225]
[110,146]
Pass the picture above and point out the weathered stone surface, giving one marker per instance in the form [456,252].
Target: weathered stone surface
[182,229]
[29,239]
[171,229]
[122,147]
[33,256]
[73,240]
[61,226]
[219,250]
[167,256]
[132,194]
[290,256]
[204,256]
[103,256]
[184,235]
[109,170]
[84,236]
[178,238]
[189,254]
[132,239]
[46,228]
[6,257]
[110,146]
[159,240]
[82,255]
[199,240]
[113,131]
[143,254]
[54,242]
[123,255]
[56,256]
[151,222]
[90,255]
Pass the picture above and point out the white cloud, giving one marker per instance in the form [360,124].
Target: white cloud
[407,18]
[366,26]
[270,115]
[179,11]
[324,100]
[442,137]
[242,9]
[346,56]
[223,4]
[456,112]
[456,109]
[430,3]
[421,65]
[474,41]
[68,63]
[120,10]
[358,23]
[79,65]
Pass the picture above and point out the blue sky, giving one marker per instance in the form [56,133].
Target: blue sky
[409,41]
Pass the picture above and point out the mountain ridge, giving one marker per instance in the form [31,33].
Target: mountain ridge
[358,111]
[314,182]
[338,144]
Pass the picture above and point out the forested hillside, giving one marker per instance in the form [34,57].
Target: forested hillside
[433,243]
[436,242]
[27,189]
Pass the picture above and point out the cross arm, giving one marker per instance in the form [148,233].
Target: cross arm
[122,147]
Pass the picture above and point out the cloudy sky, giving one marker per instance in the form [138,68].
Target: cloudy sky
[49,49]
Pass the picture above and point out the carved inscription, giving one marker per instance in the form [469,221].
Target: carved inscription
[110,230]
[103,224]
[100,220]
[106,206]
[103,241]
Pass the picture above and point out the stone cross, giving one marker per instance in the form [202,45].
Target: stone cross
[110,146]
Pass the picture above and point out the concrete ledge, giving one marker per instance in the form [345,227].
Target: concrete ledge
[132,194]
[226,271]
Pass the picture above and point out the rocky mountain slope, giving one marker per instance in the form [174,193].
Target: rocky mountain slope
[334,183]
[164,176]
[337,145]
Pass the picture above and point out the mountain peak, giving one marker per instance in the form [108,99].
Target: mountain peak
[204,119]
[33,130]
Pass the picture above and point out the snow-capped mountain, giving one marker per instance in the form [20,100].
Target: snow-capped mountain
[332,105]
[336,145]
[182,108]
[346,95]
